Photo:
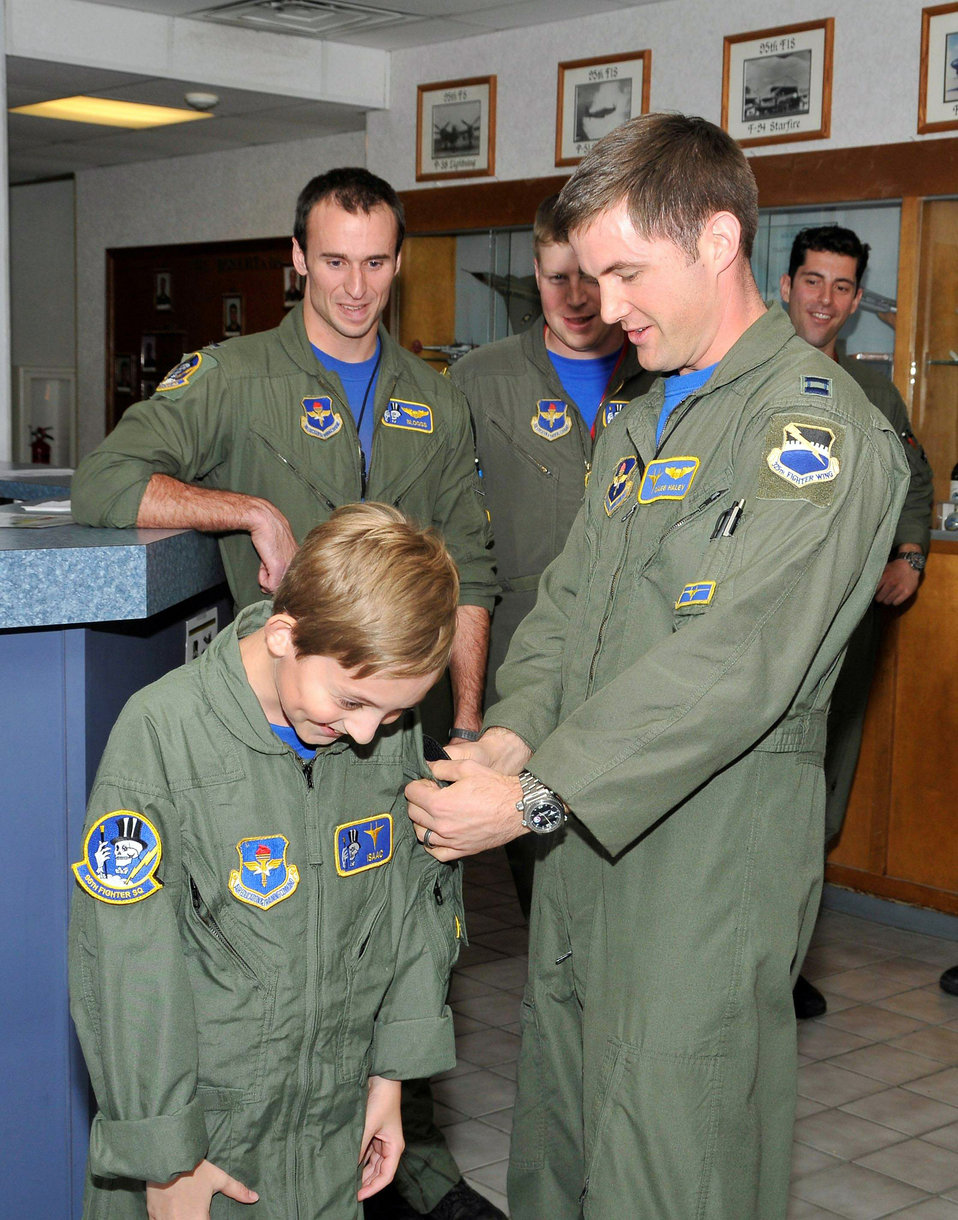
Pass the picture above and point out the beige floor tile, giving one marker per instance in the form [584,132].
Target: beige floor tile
[942,1085]
[844,1135]
[856,1193]
[944,1137]
[819,1041]
[887,1063]
[806,1160]
[936,1043]
[920,1164]
[864,985]
[903,1111]
[840,955]
[871,1022]
[798,1209]
[807,1105]
[475,1094]
[474,1144]
[932,1006]
[498,1008]
[500,1119]
[492,1178]
[907,970]
[506,972]
[931,1209]
[833,1086]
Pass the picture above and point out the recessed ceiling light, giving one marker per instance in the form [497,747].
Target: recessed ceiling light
[106,112]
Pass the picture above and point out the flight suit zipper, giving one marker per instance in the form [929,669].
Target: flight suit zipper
[627,523]
[204,915]
[298,473]
[524,453]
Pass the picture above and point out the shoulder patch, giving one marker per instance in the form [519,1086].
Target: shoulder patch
[180,374]
[700,593]
[365,844]
[416,416]
[551,419]
[818,387]
[620,488]
[610,409]
[319,418]
[803,459]
[264,877]
[120,856]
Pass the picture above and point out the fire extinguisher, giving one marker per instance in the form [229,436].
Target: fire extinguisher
[40,446]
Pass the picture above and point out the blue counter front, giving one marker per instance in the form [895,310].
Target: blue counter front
[86,617]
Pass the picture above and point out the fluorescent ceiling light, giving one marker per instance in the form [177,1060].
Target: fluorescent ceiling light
[109,113]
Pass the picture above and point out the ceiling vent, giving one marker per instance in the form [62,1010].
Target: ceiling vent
[305,18]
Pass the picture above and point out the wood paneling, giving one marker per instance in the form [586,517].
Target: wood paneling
[424,299]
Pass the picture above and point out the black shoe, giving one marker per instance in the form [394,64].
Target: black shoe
[388,1204]
[808,1000]
[464,1203]
[949,981]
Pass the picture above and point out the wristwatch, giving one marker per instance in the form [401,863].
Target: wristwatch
[914,559]
[542,811]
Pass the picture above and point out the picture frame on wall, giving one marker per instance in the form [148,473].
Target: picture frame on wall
[148,353]
[162,290]
[938,77]
[777,84]
[123,373]
[232,314]
[456,129]
[594,96]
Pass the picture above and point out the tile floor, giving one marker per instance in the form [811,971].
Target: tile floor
[876,1130]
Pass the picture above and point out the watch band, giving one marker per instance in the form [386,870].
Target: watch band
[465,734]
[914,559]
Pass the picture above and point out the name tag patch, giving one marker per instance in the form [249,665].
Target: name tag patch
[365,844]
[264,877]
[621,486]
[805,455]
[551,419]
[820,387]
[414,415]
[668,479]
[180,374]
[120,855]
[700,593]
[319,418]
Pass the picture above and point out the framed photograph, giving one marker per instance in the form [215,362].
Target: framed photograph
[595,96]
[292,289]
[148,354]
[232,315]
[777,84]
[123,374]
[162,290]
[147,388]
[938,82]
[456,129]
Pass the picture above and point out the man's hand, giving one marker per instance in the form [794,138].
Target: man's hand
[898,582]
[498,748]
[382,1135]
[477,811]
[274,542]
[188,1196]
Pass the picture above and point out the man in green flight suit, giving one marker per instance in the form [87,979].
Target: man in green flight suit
[539,400]
[821,290]
[662,721]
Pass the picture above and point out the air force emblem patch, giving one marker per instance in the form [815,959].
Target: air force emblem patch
[120,855]
[621,486]
[805,455]
[365,844]
[609,410]
[180,374]
[551,419]
[668,479]
[698,594]
[263,877]
[319,418]
[413,415]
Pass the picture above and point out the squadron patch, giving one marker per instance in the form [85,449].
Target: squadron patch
[805,455]
[414,415]
[668,479]
[621,486]
[821,387]
[609,410]
[319,418]
[551,419]
[180,374]
[365,844]
[264,877]
[700,593]
[120,855]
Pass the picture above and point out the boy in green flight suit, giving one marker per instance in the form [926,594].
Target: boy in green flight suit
[260,948]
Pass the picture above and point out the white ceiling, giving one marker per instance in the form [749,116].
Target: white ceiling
[44,148]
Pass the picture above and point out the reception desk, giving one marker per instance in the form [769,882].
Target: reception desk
[86,617]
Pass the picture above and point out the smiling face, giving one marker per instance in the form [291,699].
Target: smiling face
[821,296]
[570,304]
[349,263]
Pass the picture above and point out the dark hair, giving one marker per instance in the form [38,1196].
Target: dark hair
[829,239]
[544,231]
[673,171]
[354,190]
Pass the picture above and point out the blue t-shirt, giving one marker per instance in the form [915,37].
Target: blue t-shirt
[359,385]
[292,739]
[677,388]
[585,380]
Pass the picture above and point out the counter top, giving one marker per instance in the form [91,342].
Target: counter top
[74,574]
[32,482]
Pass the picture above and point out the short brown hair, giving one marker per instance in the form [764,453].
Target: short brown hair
[353,189]
[544,231]
[372,590]
[673,171]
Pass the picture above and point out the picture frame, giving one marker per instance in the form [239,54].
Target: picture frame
[162,290]
[123,373]
[938,76]
[232,314]
[456,129]
[292,288]
[148,353]
[777,84]
[594,96]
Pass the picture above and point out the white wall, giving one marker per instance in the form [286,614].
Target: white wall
[42,274]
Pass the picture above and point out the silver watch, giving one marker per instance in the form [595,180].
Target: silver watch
[914,559]
[542,811]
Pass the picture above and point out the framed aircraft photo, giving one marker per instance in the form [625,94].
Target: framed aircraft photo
[938,80]
[777,84]
[456,129]
[595,96]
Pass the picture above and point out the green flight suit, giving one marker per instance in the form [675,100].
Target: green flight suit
[534,472]
[846,715]
[236,1011]
[243,416]
[673,682]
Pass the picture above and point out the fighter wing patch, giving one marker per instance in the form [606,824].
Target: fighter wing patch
[180,374]
[365,844]
[668,479]
[319,418]
[805,455]
[551,419]
[620,488]
[120,856]
[264,876]
[415,416]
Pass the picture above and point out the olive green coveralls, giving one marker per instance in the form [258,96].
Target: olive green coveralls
[213,1027]
[673,682]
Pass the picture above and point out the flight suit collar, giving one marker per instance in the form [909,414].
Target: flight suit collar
[533,345]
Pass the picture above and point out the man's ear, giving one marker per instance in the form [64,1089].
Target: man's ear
[721,240]
[278,634]
[299,258]
[785,286]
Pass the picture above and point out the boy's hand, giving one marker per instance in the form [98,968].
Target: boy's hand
[382,1136]
[188,1196]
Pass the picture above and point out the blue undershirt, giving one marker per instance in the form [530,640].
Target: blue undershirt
[292,739]
[585,380]
[359,383]
[678,387]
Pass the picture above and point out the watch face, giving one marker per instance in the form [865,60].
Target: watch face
[544,816]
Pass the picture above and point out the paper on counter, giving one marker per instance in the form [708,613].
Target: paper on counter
[45,506]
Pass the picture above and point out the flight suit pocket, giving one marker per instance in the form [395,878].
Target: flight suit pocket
[528,1127]
[445,917]
[368,970]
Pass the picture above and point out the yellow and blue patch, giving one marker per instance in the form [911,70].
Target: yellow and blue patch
[415,416]
[668,479]
[609,410]
[180,374]
[699,593]
[551,419]
[620,488]
[120,857]
[365,844]
[264,876]
[319,418]
[805,455]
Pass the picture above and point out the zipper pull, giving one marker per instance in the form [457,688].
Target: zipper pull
[308,773]
[437,893]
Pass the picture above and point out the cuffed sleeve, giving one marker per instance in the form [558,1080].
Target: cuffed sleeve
[149,1149]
